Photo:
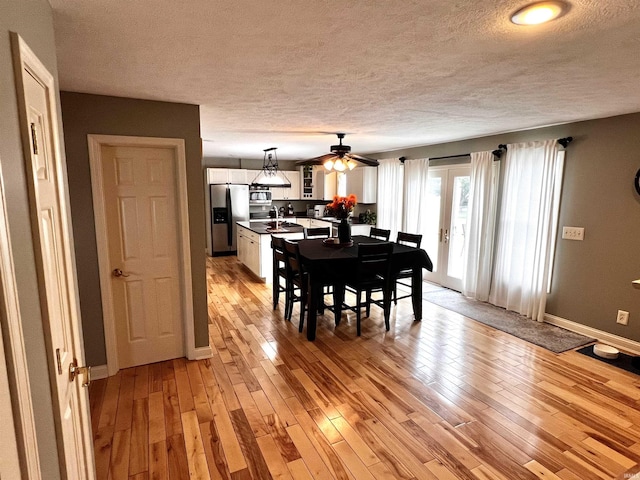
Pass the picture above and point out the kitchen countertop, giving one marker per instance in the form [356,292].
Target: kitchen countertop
[262,228]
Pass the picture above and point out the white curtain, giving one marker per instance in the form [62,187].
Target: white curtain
[416,186]
[524,240]
[389,208]
[481,218]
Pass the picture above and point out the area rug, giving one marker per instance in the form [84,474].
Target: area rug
[545,335]
[626,362]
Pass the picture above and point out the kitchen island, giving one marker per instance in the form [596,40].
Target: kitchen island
[254,244]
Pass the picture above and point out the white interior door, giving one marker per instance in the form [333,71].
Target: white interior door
[449,197]
[55,261]
[143,242]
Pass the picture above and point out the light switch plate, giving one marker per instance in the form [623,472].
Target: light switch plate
[573,233]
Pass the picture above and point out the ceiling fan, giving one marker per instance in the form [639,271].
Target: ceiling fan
[340,158]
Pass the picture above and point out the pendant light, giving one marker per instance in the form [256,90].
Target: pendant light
[270,176]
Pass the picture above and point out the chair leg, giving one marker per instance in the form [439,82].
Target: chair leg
[395,293]
[303,304]
[386,301]
[288,309]
[358,306]
[368,304]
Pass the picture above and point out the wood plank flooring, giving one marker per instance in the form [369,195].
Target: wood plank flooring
[445,398]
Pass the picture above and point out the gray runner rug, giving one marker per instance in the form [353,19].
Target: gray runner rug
[545,335]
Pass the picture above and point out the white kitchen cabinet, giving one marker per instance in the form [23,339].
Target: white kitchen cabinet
[289,193]
[294,191]
[304,222]
[255,252]
[363,182]
[227,175]
[325,183]
[360,229]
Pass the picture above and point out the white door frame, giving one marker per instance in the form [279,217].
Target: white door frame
[96,142]
[15,355]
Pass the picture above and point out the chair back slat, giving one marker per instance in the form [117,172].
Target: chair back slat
[410,239]
[317,232]
[374,260]
[294,265]
[277,244]
[380,233]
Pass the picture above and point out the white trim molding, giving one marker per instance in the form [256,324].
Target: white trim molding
[96,142]
[201,353]
[99,372]
[16,355]
[622,343]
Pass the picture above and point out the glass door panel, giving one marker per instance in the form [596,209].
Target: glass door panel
[449,199]
[431,243]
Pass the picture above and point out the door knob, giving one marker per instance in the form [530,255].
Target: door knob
[119,273]
[75,370]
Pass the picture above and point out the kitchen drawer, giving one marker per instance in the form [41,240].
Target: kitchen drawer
[251,235]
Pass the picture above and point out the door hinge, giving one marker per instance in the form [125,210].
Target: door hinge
[59,361]
[34,139]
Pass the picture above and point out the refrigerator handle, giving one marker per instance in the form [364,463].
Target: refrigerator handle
[229,218]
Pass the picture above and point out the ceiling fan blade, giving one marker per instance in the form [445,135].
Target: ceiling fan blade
[317,160]
[366,161]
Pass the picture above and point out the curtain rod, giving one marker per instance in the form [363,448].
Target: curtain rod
[497,152]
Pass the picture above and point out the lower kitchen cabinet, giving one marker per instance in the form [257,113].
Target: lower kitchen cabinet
[255,253]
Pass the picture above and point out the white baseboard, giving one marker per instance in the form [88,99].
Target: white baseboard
[98,372]
[622,343]
[200,353]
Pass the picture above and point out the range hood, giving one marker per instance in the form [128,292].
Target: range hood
[270,176]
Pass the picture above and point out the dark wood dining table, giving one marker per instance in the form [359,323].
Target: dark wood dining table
[329,265]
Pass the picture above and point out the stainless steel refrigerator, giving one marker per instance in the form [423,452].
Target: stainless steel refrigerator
[229,204]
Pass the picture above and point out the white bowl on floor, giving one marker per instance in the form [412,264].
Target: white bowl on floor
[605,351]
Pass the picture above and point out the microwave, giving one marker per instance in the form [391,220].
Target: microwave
[259,197]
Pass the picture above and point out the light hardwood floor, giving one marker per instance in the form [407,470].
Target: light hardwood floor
[444,398]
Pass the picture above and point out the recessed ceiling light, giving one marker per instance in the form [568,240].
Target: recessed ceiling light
[539,12]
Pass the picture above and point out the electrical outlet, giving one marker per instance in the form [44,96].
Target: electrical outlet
[623,317]
[573,233]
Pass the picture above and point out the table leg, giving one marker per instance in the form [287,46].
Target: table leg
[313,309]
[416,292]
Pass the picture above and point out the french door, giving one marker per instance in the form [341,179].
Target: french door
[448,196]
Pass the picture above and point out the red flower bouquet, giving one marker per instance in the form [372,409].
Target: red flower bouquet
[341,207]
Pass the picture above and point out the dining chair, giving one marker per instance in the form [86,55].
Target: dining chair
[279,271]
[317,232]
[296,280]
[380,234]
[373,272]
[412,240]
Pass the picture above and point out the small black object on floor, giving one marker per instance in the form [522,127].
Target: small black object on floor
[630,363]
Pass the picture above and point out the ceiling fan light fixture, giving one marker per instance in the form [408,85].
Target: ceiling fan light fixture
[351,164]
[339,165]
[328,164]
[539,12]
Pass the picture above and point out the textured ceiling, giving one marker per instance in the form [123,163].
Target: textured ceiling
[389,73]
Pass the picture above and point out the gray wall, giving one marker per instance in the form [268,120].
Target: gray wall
[592,278]
[84,114]
[32,19]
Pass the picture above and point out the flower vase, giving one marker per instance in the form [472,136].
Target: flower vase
[344,231]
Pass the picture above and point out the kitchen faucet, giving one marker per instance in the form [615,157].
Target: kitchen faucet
[275,209]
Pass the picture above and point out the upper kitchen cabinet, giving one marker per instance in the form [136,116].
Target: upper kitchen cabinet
[228,175]
[363,182]
[325,183]
[292,193]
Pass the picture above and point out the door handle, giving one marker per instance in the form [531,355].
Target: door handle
[75,370]
[440,235]
[119,273]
